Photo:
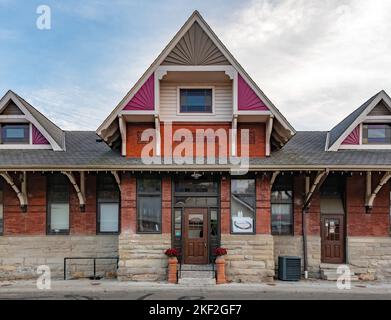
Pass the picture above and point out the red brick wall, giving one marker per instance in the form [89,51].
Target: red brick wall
[166,204]
[257,131]
[225,205]
[128,203]
[313,215]
[263,211]
[32,222]
[83,223]
[359,223]
[134,145]
[257,146]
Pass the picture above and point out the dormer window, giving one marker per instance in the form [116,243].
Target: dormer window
[374,133]
[195,100]
[15,134]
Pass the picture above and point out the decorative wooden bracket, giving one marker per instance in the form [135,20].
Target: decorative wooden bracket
[319,179]
[269,129]
[79,190]
[273,178]
[371,195]
[122,129]
[117,179]
[20,193]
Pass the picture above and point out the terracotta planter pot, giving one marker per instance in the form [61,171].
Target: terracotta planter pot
[172,270]
[220,268]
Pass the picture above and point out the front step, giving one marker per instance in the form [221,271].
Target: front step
[197,281]
[329,272]
[197,275]
[197,267]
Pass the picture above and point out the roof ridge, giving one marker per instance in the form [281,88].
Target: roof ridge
[25,101]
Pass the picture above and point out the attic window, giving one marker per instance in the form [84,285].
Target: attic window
[376,134]
[15,134]
[196,100]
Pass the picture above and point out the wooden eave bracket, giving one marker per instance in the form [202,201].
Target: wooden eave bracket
[319,179]
[21,192]
[371,195]
[80,190]
[273,178]
[117,179]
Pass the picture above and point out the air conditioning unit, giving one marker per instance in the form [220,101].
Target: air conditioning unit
[289,268]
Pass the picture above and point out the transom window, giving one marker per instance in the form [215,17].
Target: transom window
[15,134]
[195,100]
[376,134]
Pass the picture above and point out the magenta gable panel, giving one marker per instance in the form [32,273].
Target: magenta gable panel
[353,138]
[247,98]
[38,137]
[144,99]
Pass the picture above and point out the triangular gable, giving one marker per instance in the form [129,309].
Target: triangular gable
[144,99]
[11,109]
[41,136]
[38,137]
[380,110]
[347,132]
[194,18]
[353,138]
[247,98]
[195,48]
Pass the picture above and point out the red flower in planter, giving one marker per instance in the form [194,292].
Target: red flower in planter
[171,252]
[220,251]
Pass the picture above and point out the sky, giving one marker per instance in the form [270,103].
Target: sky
[316,60]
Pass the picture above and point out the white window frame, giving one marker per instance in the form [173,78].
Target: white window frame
[178,111]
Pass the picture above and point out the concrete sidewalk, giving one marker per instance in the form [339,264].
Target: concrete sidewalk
[114,288]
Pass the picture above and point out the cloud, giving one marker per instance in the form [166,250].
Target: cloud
[71,108]
[316,60]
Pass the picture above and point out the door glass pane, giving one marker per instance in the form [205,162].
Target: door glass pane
[213,223]
[178,224]
[109,217]
[196,226]
[59,216]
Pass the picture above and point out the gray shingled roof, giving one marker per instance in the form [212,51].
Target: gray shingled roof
[304,150]
[341,127]
[55,132]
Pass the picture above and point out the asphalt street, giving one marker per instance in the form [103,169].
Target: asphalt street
[108,290]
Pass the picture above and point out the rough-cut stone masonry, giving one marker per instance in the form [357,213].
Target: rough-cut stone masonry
[370,257]
[20,256]
[250,257]
[142,257]
[293,246]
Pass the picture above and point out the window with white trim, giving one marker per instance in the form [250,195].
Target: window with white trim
[196,100]
[376,133]
[58,204]
[108,199]
[15,134]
